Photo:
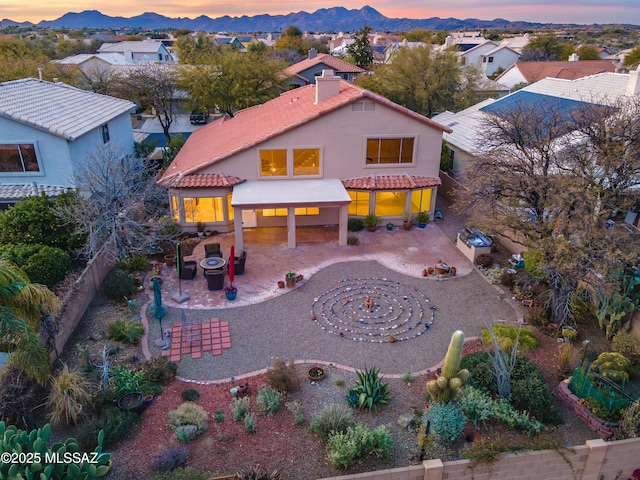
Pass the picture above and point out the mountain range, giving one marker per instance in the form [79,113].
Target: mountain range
[323,20]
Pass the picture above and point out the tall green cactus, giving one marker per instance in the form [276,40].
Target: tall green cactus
[448,385]
[49,463]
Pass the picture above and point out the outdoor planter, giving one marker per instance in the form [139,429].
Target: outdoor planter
[148,400]
[231,293]
[389,226]
[280,283]
[170,260]
[316,373]
[290,279]
[131,402]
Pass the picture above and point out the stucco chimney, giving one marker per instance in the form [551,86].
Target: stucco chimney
[574,57]
[128,55]
[312,53]
[327,86]
[633,85]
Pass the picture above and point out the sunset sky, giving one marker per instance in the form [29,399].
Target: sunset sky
[547,11]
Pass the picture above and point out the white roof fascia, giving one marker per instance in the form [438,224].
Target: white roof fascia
[286,193]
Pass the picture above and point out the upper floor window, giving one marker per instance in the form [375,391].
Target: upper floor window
[490,59]
[306,161]
[389,150]
[104,130]
[273,163]
[18,158]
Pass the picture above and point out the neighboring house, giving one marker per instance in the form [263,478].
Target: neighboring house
[395,46]
[306,71]
[499,58]
[463,41]
[140,53]
[516,44]
[49,129]
[95,66]
[466,125]
[531,72]
[231,41]
[315,155]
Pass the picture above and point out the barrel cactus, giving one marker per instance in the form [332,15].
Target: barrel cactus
[447,387]
[612,365]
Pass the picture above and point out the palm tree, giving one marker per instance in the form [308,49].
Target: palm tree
[22,305]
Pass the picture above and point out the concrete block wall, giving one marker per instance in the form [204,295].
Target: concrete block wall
[596,460]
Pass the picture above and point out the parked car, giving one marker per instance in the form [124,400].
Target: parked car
[198,117]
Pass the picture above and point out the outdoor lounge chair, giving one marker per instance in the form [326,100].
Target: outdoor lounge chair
[212,250]
[188,269]
[238,263]
[215,279]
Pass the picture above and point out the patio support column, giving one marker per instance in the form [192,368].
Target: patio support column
[342,225]
[237,227]
[291,227]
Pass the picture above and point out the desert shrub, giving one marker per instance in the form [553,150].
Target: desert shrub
[358,441]
[628,345]
[189,413]
[504,412]
[283,376]
[353,240]
[70,391]
[538,316]
[529,391]
[250,423]
[116,424]
[137,263]
[160,370]
[186,433]
[507,280]
[34,220]
[268,400]
[476,404]
[256,473]
[239,408]
[126,380]
[629,423]
[119,285]
[125,331]
[507,334]
[42,264]
[19,393]
[332,419]
[355,225]
[485,260]
[219,416]
[295,407]
[369,391]
[170,459]
[533,262]
[447,420]
[190,395]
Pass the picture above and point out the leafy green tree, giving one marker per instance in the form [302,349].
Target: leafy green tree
[293,40]
[633,59]
[360,50]
[423,81]
[418,35]
[22,306]
[588,52]
[232,81]
[546,47]
[194,51]
[35,220]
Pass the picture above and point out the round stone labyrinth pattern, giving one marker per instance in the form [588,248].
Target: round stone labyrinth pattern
[373,310]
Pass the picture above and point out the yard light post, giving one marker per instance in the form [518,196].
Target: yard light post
[585,345]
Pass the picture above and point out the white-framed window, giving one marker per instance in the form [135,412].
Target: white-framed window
[203,209]
[306,161]
[273,162]
[359,203]
[383,151]
[18,157]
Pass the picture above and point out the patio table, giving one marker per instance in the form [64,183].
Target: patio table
[213,263]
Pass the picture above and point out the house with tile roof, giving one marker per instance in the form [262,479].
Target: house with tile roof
[315,155]
[48,129]
[306,71]
[530,72]
[466,125]
[140,53]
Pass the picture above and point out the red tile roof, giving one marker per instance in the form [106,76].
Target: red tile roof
[390,182]
[203,180]
[250,127]
[330,61]
[534,71]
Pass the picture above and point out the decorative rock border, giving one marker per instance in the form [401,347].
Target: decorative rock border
[374,310]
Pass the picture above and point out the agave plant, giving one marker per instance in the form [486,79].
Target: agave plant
[369,392]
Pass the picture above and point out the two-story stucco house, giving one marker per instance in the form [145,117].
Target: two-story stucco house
[140,53]
[48,129]
[316,155]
